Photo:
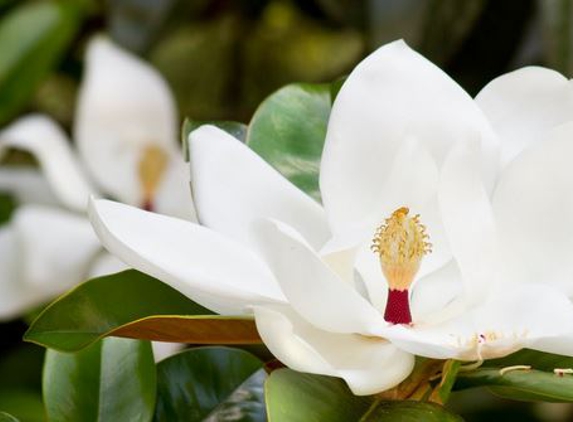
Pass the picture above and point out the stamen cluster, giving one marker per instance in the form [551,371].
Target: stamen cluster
[400,243]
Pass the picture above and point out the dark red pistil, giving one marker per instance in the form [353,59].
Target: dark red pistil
[398,307]
[147,205]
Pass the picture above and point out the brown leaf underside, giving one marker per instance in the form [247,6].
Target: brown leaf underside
[195,331]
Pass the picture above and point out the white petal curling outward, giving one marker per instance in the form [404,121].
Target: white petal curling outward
[513,317]
[43,138]
[27,185]
[124,105]
[392,95]
[311,287]
[368,365]
[522,105]
[56,247]
[531,315]
[468,219]
[15,296]
[233,186]
[43,252]
[174,193]
[533,205]
[211,269]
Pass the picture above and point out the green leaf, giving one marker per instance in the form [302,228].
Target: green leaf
[132,304]
[296,397]
[409,411]
[23,404]
[210,383]
[5,417]
[235,129]
[539,383]
[288,131]
[33,38]
[112,380]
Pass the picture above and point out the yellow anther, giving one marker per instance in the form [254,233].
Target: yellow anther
[152,166]
[400,243]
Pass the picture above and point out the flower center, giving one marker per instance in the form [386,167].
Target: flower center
[400,243]
[152,166]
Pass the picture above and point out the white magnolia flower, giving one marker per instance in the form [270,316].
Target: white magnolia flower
[126,134]
[408,245]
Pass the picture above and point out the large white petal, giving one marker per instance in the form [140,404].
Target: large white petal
[124,105]
[211,269]
[533,205]
[27,185]
[43,252]
[311,287]
[523,104]
[43,138]
[174,194]
[434,297]
[391,96]
[233,186]
[468,219]
[367,365]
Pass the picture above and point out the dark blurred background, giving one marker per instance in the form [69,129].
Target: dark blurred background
[223,57]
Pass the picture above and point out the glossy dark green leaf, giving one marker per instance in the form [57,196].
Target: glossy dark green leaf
[288,131]
[132,304]
[210,383]
[539,383]
[113,379]
[409,411]
[23,404]
[5,417]
[236,129]
[538,360]
[33,38]
[296,397]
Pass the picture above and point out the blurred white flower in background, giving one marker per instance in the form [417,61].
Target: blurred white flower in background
[126,147]
[425,244]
